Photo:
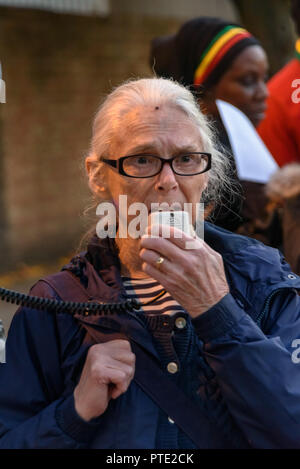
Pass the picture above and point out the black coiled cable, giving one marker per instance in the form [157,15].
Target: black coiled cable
[70,307]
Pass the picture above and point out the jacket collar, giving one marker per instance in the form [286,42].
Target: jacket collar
[98,269]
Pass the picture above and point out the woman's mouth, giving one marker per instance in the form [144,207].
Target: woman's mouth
[257,116]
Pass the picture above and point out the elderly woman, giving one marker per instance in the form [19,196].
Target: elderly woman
[215,362]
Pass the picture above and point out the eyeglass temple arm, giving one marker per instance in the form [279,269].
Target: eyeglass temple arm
[113,163]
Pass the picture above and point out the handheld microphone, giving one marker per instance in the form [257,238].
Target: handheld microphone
[177,218]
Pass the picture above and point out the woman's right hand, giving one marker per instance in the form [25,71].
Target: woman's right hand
[107,373]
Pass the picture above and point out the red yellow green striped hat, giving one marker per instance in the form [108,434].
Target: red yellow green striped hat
[218,48]
[200,52]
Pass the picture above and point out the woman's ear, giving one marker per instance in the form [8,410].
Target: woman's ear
[93,169]
[206,181]
[204,196]
[90,162]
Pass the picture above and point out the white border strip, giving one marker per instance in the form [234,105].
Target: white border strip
[85,7]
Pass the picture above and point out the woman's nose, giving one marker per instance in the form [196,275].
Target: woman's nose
[262,91]
[166,179]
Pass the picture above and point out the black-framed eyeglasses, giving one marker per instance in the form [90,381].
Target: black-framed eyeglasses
[146,166]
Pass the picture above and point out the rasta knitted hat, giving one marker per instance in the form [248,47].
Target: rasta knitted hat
[200,52]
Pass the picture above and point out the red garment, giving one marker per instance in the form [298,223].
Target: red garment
[280,130]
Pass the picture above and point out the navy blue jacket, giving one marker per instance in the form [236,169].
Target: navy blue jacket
[249,342]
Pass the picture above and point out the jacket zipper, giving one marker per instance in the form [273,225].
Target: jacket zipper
[267,305]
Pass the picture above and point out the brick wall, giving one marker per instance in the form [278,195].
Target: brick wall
[56,68]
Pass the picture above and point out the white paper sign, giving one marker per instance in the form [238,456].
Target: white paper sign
[253,160]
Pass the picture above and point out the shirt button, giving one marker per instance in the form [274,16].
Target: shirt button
[170,420]
[172,367]
[180,323]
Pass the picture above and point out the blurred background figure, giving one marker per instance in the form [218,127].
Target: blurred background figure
[283,191]
[280,130]
[217,59]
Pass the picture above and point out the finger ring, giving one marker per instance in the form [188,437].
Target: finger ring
[159,262]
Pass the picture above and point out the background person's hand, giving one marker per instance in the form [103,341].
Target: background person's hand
[107,373]
[194,277]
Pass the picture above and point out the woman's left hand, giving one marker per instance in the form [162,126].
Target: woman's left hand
[194,277]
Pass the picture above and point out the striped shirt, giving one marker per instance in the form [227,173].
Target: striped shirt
[146,289]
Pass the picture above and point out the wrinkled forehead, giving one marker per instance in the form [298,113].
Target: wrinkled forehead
[154,114]
[156,125]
